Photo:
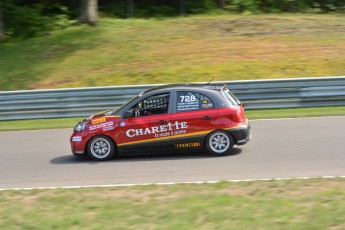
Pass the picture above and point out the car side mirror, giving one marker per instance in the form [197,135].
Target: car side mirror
[128,114]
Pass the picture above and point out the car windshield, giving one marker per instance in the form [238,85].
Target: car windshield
[124,105]
[230,97]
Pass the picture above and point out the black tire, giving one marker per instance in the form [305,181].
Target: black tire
[219,143]
[101,148]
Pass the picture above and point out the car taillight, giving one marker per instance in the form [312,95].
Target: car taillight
[237,116]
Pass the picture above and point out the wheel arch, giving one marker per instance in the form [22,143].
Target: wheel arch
[233,136]
[88,141]
[219,142]
[228,131]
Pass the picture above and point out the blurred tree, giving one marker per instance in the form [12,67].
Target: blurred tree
[129,8]
[2,27]
[89,12]
[183,6]
[222,3]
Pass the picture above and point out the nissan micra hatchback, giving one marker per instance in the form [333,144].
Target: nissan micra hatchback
[166,118]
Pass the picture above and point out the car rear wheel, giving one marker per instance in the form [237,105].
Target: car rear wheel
[101,148]
[219,143]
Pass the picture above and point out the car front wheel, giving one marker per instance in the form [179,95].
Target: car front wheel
[101,148]
[219,143]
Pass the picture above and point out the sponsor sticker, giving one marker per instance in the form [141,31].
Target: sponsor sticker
[76,138]
[204,101]
[168,129]
[188,145]
[122,124]
[107,128]
[102,125]
[207,106]
[99,120]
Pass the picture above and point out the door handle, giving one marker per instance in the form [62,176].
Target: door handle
[207,118]
[162,122]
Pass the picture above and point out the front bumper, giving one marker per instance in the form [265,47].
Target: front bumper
[78,143]
[242,135]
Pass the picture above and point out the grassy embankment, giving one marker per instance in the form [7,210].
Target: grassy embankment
[138,51]
[290,204]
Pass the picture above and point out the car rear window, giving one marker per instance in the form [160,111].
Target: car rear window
[231,97]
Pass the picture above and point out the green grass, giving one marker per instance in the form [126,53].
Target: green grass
[289,204]
[250,114]
[296,112]
[190,49]
[32,124]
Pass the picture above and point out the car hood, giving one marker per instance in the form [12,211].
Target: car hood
[99,114]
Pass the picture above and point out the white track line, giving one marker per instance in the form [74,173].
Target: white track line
[173,183]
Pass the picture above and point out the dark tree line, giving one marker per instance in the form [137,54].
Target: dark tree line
[28,18]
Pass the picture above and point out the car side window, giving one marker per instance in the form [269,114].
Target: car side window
[152,105]
[188,101]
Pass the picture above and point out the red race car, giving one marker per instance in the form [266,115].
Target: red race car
[166,118]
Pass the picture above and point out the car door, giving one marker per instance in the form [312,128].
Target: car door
[198,112]
[148,127]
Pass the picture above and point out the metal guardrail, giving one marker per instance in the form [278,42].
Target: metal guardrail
[255,94]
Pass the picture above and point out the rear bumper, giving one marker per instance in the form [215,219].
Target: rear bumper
[242,135]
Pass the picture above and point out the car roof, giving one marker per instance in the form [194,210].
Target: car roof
[187,86]
[211,90]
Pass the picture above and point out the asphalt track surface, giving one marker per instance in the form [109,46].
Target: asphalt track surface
[304,147]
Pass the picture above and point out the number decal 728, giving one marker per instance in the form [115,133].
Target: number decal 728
[187,98]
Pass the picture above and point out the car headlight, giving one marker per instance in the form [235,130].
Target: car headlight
[80,127]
